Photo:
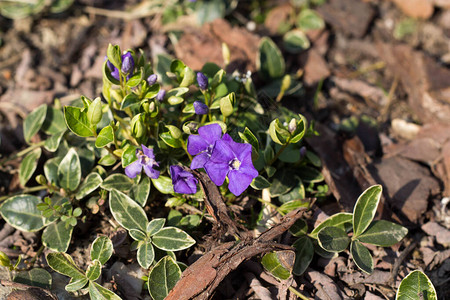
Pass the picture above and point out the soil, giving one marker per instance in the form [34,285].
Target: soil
[360,69]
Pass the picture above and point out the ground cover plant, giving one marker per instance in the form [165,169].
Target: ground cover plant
[177,178]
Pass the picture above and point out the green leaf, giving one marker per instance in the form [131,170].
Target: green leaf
[145,255]
[69,171]
[283,181]
[260,183]
[28,166]
[308,174]
[51,169]
[270,61]
[297,193]
[137,235]
[308,19]
[163,184]
[97,292]
[291,205]
[64,264]
[130,100]
[140,192]
[94,271]
[172,239]
[170,141]
[361,256]
[339,220]
[107,160]
[163,277]
[118,182]
[250,138]
[295,41]
[101,249]
[365,209]
[155,225]
[276,265]
[303,255]
[94,112]
[128,155]
[416,285]
[114,56]
[34,277]
[57,236]
[52,143]
[105,137]
[126,211]
[299,228]
[77,121]
[33,122]
[383,233]
[76,284]
[333,239]
[21,213]
[90,184]
[54,121]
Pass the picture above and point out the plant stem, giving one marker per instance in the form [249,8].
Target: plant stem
[25,191]
[38,253]
[23,152]
[277,154]
[298,294]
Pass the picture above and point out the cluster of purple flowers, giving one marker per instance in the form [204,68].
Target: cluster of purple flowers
[220,156]
[127,66]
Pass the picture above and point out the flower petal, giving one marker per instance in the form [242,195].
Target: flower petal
[199,161]
[148,152]
[174,172]
[185,187]
[196,144]
[226,137]
[239,182]
[217,171]
[152,173]
[222,153]
[133,169]
[210,133]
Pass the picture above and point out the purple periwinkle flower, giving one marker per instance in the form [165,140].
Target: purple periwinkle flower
[160,96]
[200,108]
[183,181]
[146,160]
[234,160]
[127,63]
[202,144]
[151,80]
[202,81]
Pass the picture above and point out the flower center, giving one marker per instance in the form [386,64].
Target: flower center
[145,160]
[235,164]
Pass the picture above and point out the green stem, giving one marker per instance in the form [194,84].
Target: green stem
[33,260]
[298,294]
[183,144]
[23,152]
[25,191]
[278,154]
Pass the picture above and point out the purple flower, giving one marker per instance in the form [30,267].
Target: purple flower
[183,181]
[200,108]
[151,80]
[202,144]
[146,160]
[127,63]
[234,160]
[160,96]
[202,81]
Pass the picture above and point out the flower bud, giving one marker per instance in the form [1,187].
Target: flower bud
[190,127]
[202,81]
[302,151]
[127,63]
[41,179]
[292,125]
[160,96]
[151,80]
[200,108]
[110,65]
[4,260]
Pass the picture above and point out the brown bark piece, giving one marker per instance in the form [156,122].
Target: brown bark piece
[197,47]
[422,9]
[407,184]
[426,82]
[352,17]
[278,16]
[315,68]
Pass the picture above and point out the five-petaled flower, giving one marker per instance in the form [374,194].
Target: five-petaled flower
[234,160]
[183,181]
[202,144]
[200,108]
[146,160]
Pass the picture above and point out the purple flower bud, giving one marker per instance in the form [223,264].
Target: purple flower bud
[110,66]
[302,151]
[160,96]
[115,73]
[202,81]
[127,63]
[200,108]
[152,79]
